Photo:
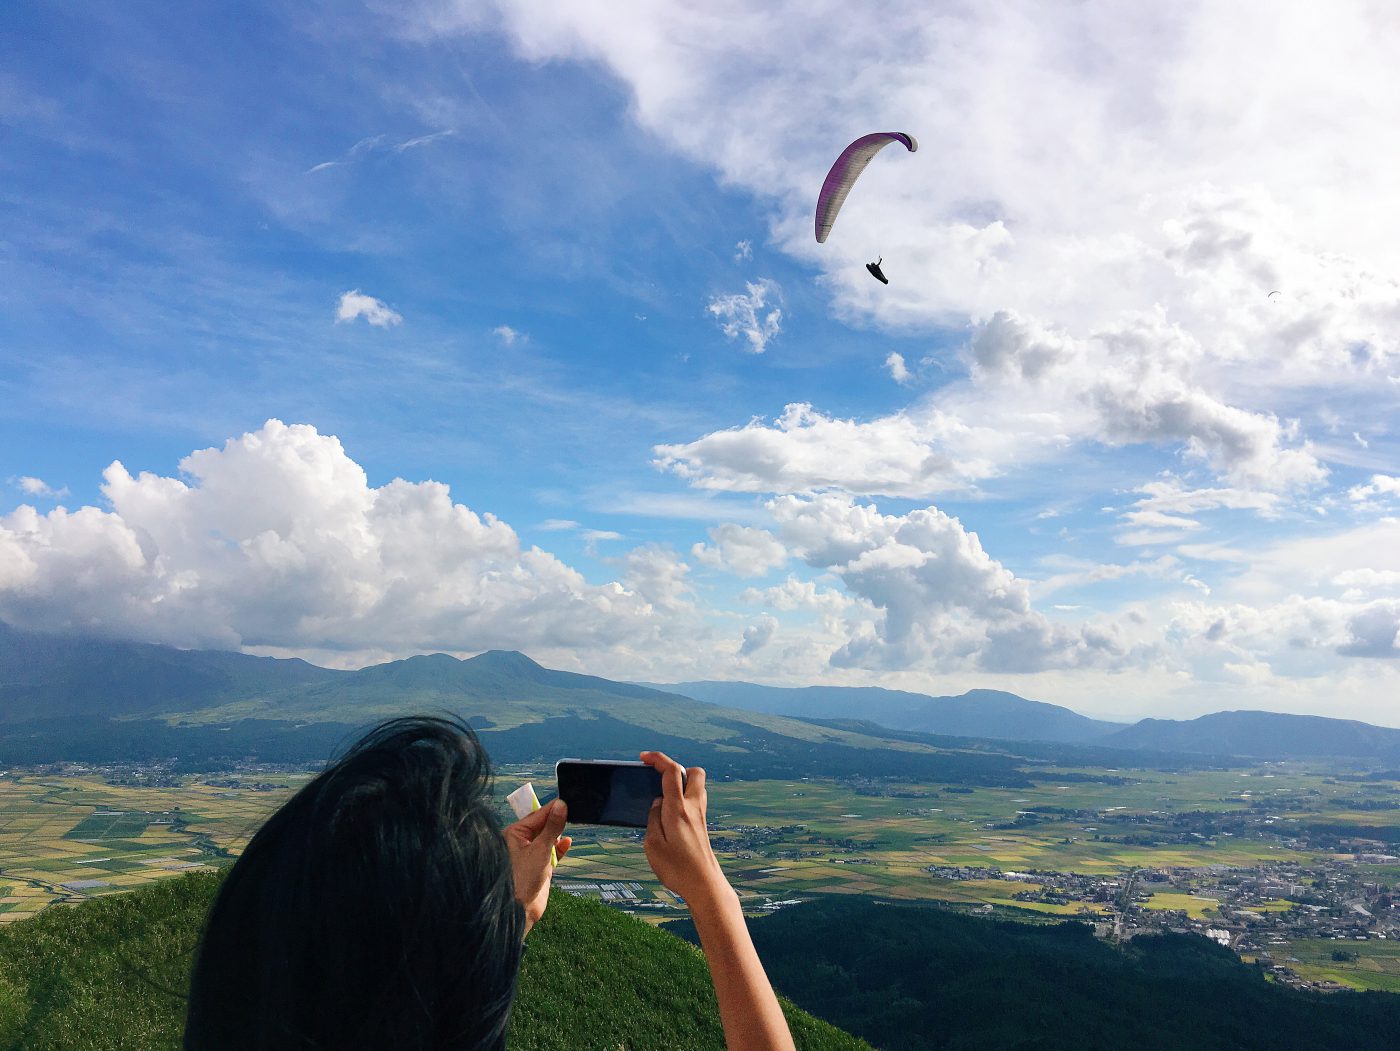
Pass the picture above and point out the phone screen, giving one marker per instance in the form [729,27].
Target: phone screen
[607,793]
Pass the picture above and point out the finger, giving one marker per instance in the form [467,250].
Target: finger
[562,845]
[556,815]
[672,789]
[656,832]
[557,819]
[695,783]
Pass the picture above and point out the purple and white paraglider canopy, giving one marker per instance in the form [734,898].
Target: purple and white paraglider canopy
[847,170]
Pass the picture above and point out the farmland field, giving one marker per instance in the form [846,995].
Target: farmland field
[68,838]
[1376,964]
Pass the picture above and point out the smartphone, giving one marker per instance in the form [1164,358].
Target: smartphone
[607,792]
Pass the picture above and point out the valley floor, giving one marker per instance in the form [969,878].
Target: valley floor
[1287,865]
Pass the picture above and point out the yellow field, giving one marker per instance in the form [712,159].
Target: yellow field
[1277,905]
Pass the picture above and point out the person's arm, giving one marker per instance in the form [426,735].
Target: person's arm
[528,841]
[678,849]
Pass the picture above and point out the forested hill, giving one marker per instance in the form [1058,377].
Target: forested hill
[909,977]
[110,975]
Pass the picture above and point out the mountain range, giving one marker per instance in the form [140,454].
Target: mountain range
[70,697]
[992,714]
[85,700]
[996,715]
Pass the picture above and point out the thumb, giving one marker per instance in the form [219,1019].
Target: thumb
[535,821]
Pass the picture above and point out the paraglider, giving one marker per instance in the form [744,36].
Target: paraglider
[842,177]
[1271,295]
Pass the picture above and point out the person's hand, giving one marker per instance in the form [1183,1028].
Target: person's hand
[677,842]
[528,841]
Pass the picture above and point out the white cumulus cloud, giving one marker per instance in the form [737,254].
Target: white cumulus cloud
[1031,395]
[940,600]
[278,540]
[758,635]
[741,550]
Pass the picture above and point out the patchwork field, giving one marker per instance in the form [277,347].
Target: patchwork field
[65,839]
[68,837]
[780,840]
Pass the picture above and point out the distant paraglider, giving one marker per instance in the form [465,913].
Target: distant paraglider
[843,176]
[1275,292]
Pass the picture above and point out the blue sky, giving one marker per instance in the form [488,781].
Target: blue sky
[1112,471]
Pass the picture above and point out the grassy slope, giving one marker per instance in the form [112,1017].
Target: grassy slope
[110,975]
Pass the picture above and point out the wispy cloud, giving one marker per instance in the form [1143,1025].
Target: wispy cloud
[355,304]
[422,140]
[751,314]
[32,486]
[379,144]
[593,537]
[507,335]
[899,372]
[1380,486]
[743,250]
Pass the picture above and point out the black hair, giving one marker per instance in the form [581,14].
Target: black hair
[375,909]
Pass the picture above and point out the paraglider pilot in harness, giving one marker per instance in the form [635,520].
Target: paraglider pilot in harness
[876,272]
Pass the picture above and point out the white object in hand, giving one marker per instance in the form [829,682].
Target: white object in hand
[524,802]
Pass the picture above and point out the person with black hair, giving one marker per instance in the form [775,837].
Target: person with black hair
[383,906]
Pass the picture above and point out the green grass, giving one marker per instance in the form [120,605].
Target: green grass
[594,978]
[112,974]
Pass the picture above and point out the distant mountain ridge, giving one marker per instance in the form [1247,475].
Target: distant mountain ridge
[1264,734]
[90,700]
[992,714]
[997,715]
[68,697]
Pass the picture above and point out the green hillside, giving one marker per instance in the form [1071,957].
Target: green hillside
[110,975]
